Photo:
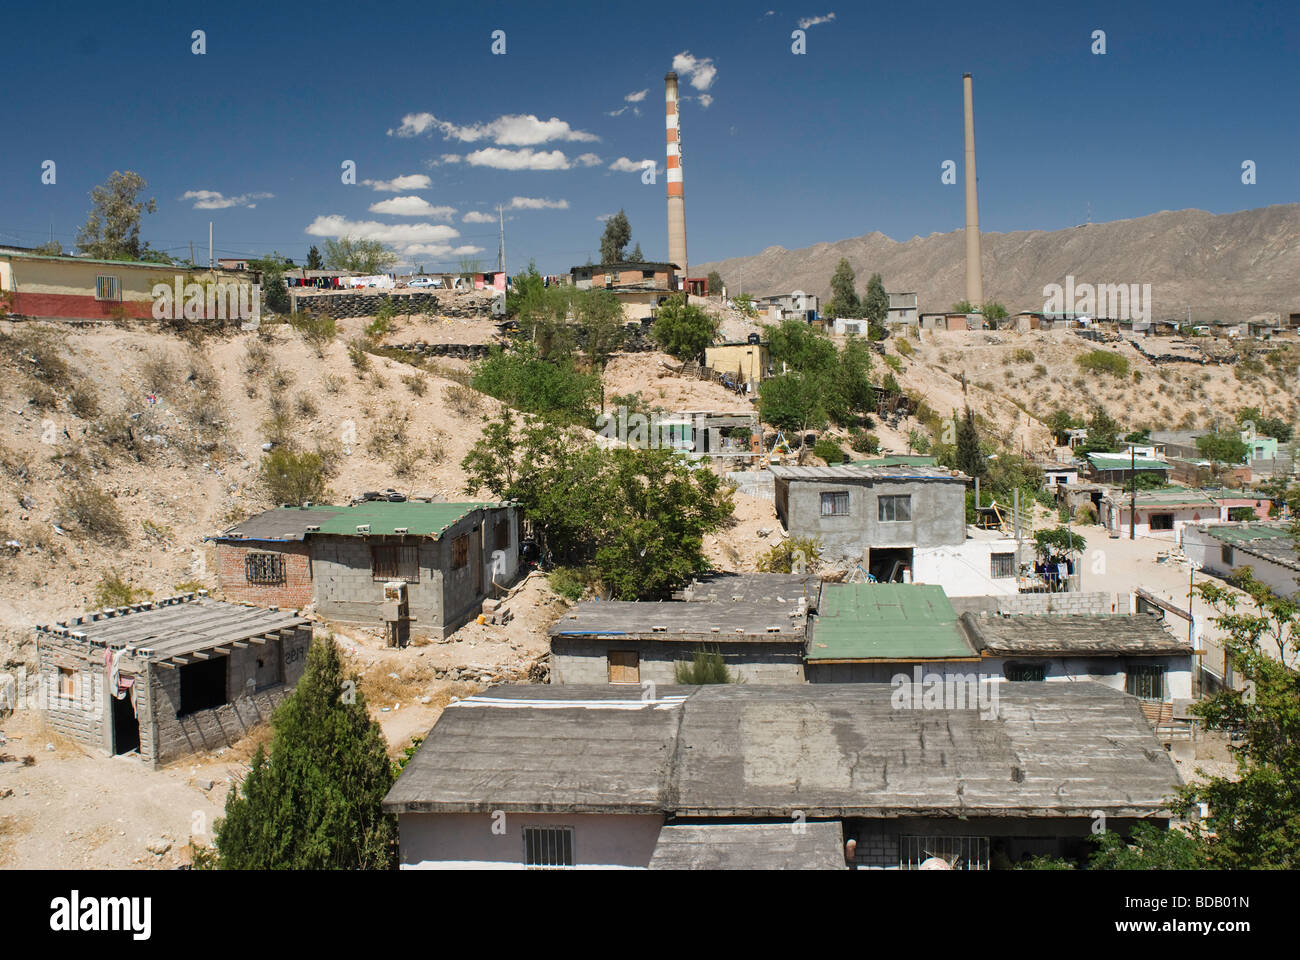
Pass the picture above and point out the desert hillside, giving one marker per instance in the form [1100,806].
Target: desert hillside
[1226,266]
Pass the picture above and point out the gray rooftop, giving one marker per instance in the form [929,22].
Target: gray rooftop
[750,846]
[760,620]
[765,751]
[863,473]
[751,587]
[1139,634]
[282,523]
[176,628]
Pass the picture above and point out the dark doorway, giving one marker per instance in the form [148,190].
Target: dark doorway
[890,564]
[203,685]
[126,728]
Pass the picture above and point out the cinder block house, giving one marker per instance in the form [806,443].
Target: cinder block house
[600,777]
[450,556]
[169,678]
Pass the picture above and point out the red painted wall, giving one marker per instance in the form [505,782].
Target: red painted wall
[70,307]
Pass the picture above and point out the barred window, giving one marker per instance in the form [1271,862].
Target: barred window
[264,568]
[1225,554]
[1025,672]
[107,288]
[895,508]
[962,853]
[548,846]
[1146,681]
[395,562]
[1002,565]
[460,552]
[835,504]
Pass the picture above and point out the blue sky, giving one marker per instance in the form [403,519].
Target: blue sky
[778,148]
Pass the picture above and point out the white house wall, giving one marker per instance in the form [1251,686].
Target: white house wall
[451,841]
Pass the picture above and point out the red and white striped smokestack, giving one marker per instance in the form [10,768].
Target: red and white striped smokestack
[676,200]
[974,278]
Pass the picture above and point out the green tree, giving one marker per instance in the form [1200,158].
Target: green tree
[618,232]
[800,347]
[706,666]
[683,329]
[850,396]
[844,298]
[970,459]
[793,402]
[963,306]
[112,231]
[875,305]
[993,310]
[358,256]
[315,803]
[600,314]
[636,255]
[552,387]
[1222,447]
[1149,847]
[1254,815]
[1058,541]
[51,249]
[715,283]
[1103,434]
[1060,422]
[314,260]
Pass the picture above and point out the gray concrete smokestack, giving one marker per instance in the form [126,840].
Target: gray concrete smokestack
[974,279]
[676,199]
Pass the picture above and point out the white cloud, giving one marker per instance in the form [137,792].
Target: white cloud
[807,22]
[617,113]
[587,160]
[215,200]
[624,165]
[604,216]
[526,159]
[439,250]
[475,216]
[403,236]
[704,100]
[413,181]
[537,203]
[638,96]
[510,130]
[412,207]
[699,71]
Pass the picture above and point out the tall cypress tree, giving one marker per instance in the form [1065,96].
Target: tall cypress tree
[314,804]
[969,459]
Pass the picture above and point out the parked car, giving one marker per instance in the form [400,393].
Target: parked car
[425,282]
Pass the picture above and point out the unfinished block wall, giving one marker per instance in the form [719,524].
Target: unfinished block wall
[81,717]
[581,660]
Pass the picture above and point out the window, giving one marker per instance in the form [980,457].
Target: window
[395,562]
[1225,554]
[460,552]
[1025,672]
[1162,521]
[1002,565]
[963,853]
[1146,681]
[203,685]
[895,509]
[548,846]
[835,504]
[107,288]
[67,682]
[503,534]
[264,568]
[624,666]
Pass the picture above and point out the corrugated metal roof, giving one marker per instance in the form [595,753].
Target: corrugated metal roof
[1117,461]
[886,621]
[897,460]
[1057,635]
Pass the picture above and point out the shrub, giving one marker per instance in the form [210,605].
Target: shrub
[793,555]
[570,582]
[707,666]
[84,401]
[867,443]
[292,478]
[1022,355]
[331,383]
[463,401]
[828,450]
[905,348]
[416,383]
[113,591]
[160,374]
[359,354]
[256,357]
[1085,514]
[93,512]
[306,405]
[315,329]
[1104,361]
[683,330]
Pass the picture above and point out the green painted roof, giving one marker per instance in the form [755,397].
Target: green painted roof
[899,460]
[420,519]
[1119,461]
[886,621]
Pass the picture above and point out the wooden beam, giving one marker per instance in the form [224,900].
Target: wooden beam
[201,655]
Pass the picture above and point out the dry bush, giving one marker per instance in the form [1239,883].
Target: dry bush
[462,400]
[389,434]
[306,406]
[446,372]
[84,401]
[256,357]
[331,382]
[91,512]
[416,383]
[160,374]
[359,354]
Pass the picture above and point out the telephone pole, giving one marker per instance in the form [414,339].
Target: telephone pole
[1133,499]
[501,252]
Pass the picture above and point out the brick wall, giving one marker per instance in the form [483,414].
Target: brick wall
[294,594]
[1095,603]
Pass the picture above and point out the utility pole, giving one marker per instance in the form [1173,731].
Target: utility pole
[501,253]
[1133,485]
[191,253]
[211,262]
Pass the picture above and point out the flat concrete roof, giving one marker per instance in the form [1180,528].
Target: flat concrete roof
[834,750]
[752,587]
[750,846]
[851,471]
[1139,634]
[175,629]
[864,622]
[770,621]
[384,517]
